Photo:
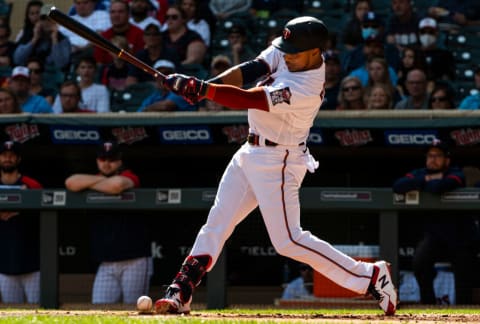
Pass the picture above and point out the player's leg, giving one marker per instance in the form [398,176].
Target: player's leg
[135,278]
[277,191]
[234,201]
[106,286]
[31,284]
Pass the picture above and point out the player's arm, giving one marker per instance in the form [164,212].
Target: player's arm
[243,73]
[237,98]
[79,182]
[194,90]
[114,184]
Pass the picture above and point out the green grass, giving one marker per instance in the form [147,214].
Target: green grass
[240,316]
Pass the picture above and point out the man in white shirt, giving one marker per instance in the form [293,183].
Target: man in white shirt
[86,14]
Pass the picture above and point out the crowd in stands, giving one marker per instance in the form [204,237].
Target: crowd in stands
[383,54]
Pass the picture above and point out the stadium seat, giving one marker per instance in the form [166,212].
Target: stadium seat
[130,99]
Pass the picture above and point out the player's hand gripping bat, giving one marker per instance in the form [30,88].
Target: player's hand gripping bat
[96,39]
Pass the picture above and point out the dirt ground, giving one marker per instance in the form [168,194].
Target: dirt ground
[278,317]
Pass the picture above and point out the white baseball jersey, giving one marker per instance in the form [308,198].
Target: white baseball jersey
[294,99]
[270,177]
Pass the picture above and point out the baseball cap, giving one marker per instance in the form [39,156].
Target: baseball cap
[109,150]
[10,146]
[302,34]
[20,71]
[440,145]
[427,23]
[166,64]
[371,17]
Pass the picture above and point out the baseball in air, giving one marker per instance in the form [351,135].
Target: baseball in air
[144,304]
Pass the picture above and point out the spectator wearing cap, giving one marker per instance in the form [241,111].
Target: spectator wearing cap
[19,83]
[194,19]
[416,84]
[19,235]
[120,25]
[402,26]
[187,44]
[162,99]
[139,14]
[333,76]
[446,237]
[440,62]
[153,51]
[373,45]
[238,49]
[352,31]
[95,96]
[302,286]
[119,239]
[472,101]
[47,44]
[87,14]
[8,102]
[219,64]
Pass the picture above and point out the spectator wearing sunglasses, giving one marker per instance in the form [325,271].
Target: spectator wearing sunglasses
[119,239]
[351,94]
[186,43]
[37,86]
[442,97]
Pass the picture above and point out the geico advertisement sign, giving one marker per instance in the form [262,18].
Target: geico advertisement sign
[410,137]
[74,135]
[185,135]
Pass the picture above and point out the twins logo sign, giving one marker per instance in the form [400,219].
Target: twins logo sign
[281,95]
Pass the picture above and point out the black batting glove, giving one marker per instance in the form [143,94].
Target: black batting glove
[191,88]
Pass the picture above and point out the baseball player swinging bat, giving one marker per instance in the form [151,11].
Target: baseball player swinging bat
[96,39]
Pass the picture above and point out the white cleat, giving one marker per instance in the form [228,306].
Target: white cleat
[172,302]
[382,288]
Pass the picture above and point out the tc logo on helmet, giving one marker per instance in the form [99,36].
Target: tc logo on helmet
[286,33]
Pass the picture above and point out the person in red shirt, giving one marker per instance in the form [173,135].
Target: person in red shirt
[119,240]
[119,16]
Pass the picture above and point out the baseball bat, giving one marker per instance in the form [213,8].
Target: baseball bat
[96,39]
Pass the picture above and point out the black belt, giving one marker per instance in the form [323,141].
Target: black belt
[254,139]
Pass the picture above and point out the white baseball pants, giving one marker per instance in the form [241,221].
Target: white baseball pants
[270,177]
